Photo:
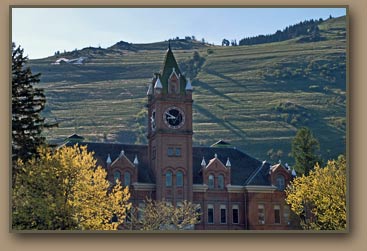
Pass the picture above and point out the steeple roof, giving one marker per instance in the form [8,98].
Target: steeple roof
[170,63]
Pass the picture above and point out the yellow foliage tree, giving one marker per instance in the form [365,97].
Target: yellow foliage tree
[64,190]
[158,215]
[319,199]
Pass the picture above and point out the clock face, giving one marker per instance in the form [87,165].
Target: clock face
[174,117]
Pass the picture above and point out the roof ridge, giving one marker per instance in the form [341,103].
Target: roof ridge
[112,143]
[253,175]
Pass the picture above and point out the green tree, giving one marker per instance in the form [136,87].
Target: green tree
[304,151]
[27,104]
[275,155]
[64,190]
[158,215]
[225,42]
[319,199]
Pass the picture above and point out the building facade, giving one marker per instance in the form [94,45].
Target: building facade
[234,190]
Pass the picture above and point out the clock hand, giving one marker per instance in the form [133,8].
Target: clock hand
[170,116]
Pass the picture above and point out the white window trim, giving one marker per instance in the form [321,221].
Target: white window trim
[210,206]
[238,214]
[277,207]
[225,208]
[259,206]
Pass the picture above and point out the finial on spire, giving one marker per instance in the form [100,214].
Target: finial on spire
[188,85]
[136,161]
[228,164]
[169,44]
[108,161]
[158,84]
[203,163]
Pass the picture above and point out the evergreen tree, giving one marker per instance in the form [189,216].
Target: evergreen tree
[27,104]
[304,151]
[225,42]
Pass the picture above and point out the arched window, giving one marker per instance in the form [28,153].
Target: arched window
[127,179]
[280,182]
[211,181]
[168,179]
[116,176]
[179,179]
[220,181]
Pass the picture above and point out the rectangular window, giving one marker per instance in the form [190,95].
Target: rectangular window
[235,214]
[220,181]
[211,181]
[154,153]
[261,213]
[276,214]
[286,214]
[127,179]
[210,214]
[223,214]
[168,179]
[178,151]
[198,212]
[170,151]
[179,179]
[141,211]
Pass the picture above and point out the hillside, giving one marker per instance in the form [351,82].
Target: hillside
[254,97]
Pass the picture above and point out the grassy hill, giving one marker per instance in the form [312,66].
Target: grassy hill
[254,97]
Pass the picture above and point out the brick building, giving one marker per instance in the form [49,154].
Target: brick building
[234,190]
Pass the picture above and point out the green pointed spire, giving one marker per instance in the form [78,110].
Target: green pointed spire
[170,65]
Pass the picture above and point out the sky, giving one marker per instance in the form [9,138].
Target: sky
[43,31]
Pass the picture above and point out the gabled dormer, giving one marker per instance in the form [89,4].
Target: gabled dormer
[280,176]
[174,82]
[170,80]
[123,169]
[216,174]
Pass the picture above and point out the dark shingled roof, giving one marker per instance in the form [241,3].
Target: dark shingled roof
[168,65]
[74,137]
[242,165]
[101,151]
[221,143]
[245,170]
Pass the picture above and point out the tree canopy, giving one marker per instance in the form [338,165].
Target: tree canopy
[64,190]
[27,104]
[158,215]
[308,29]
[304,151]
[319,199]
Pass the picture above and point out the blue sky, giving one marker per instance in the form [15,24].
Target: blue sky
[42,31]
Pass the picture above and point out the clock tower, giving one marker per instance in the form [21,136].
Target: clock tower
[170,132]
